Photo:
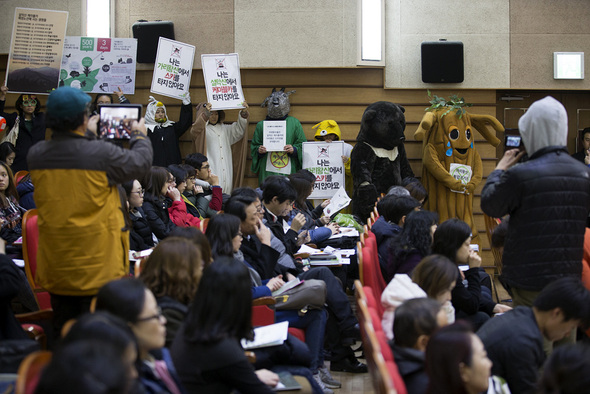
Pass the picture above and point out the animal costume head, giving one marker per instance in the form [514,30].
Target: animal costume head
[278,104]
[150,113]
[383,125]
[326,127]
[544,124]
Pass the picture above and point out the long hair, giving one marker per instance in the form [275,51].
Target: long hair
[11,189]
[199,239]
[124,298]
[158,178]
[435,274]
[173,269]
[6,148]
[449,237]
[221,231]
[415,235]
[302,186]
[19,105]
[447,348]
[223,305]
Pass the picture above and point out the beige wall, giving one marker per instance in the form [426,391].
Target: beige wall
[509,44]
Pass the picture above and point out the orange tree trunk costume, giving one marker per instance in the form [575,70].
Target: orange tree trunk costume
[447,135]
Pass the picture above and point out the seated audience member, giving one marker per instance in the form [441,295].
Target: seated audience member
[263,258]
[109,329]
[92,367]
[172,272]
[140,234]
[7,153]
[514,341]
[155,204]
[416,190]
[584,154]
[199,239]
[277,199]
[398,191]
[566,370]
[472,301]
[130,300]
[434,277]
[10,211]
[207,350]
[164,133]
[392,214]
[210,200]
[412,244]
[225,239]
[191,189]
[415,321]
[285,259]
[103,98]
[25,190]
[216,138]
[178,209]
[456,362]
[318,227]
[12,281]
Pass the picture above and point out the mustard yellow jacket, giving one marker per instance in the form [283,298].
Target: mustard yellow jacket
[83,242]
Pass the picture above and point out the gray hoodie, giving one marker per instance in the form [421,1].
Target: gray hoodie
[544,124]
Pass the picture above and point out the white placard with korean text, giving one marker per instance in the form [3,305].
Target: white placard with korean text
[274,135]
[173,68]
[324,160]
[35,50]
[223,82]
[99,65]
[461,172]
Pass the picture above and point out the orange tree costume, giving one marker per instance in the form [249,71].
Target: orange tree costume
[452,167]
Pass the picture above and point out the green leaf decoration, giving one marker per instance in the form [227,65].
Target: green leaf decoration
[453,103]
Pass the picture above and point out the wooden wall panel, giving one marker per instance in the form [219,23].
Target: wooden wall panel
[339,94]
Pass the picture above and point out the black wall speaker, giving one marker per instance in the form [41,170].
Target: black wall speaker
[148,34]
[442,62]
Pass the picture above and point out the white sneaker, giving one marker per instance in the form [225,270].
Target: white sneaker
[327,378]
[318,379]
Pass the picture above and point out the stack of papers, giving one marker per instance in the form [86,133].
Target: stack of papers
[265,336]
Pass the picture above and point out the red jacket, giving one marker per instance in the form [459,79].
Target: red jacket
[180,217]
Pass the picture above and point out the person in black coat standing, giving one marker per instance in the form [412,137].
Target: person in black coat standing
[165,133]
[31,125]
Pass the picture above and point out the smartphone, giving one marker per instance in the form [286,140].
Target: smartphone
[116,120]
[513,141]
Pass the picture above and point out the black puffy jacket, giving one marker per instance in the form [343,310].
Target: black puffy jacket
[548,199]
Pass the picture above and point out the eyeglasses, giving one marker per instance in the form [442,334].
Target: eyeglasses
[240,234]
[260,208]
[171,180]
[140,192]
[27,103]
[157,316]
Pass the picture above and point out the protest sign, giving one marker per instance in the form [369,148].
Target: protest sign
[223,82]
[274,135]
[324,160]
[173,68]
[99,65]
[36,50]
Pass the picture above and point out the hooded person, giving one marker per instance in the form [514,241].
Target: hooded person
[164,133]
[224,145]
[548,199]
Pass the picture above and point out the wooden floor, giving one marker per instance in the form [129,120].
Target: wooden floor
[353,383]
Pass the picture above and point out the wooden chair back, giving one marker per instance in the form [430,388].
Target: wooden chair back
[30,370]
[30,232]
